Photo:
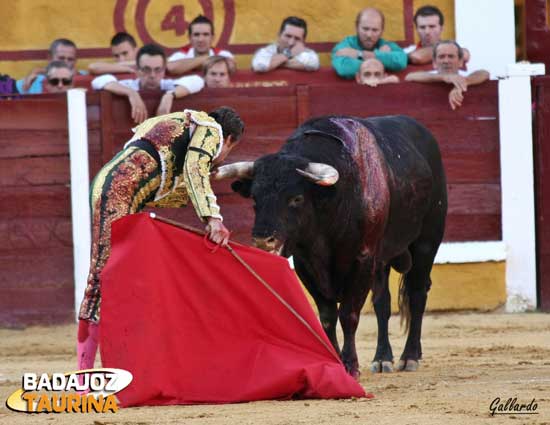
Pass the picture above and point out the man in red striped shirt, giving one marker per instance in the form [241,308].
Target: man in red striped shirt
[192,58]
[428,21]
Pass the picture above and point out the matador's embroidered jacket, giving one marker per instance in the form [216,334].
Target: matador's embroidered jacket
[165,164]
[190,137]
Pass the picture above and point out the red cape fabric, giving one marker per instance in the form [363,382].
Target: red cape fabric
[195,326]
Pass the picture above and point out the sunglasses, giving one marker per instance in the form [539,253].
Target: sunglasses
[64,81]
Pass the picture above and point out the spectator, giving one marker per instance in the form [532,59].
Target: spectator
[151,68]
[447,61]
[124,49]
[201,34]
[58,78]
[372,73]
[289,51]
[428,21]
[61,49]
[217,72]
[348,55]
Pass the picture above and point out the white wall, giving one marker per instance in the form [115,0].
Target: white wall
[486,28]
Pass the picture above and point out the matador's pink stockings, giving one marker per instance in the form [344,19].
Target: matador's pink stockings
[88,340]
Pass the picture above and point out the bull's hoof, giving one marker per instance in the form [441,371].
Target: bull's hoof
[408,365]
[381,366]
[354,372]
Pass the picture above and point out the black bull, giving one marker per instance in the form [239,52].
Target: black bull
[349,198]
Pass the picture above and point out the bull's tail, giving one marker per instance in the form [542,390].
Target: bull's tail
[404,305]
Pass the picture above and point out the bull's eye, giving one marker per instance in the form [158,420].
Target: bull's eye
[296,201]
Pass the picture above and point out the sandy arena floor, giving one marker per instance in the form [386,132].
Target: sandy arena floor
[469,360]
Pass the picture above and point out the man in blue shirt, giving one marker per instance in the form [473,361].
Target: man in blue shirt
[61,49]
[348,55]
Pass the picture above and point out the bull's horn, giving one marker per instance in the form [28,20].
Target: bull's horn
[321,174]
[237,170]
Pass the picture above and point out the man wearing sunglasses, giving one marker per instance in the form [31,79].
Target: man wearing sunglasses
[59,77]
[61,49]
[151,68]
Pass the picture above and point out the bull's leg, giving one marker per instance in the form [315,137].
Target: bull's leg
[349,314]
[328,309]
[383,358]
[328,315]
[417,284]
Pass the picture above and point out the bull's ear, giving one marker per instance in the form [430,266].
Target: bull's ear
[242,187]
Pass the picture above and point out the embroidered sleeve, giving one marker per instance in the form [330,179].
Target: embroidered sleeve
[196,171]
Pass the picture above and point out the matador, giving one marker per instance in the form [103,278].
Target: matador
[165,164]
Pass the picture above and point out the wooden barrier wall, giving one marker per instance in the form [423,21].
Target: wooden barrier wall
[36,283]
[542,187]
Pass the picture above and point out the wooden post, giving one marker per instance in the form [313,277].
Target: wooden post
[302,103]
[542,192]
[106,113]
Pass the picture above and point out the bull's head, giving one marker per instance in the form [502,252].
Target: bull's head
[285,197]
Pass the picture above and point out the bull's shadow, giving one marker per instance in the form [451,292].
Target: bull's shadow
[349,199]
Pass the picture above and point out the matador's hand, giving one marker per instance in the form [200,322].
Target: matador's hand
[217,232]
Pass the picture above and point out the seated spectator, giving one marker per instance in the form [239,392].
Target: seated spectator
[151,68]
[124,49]
[289,51]
[201,34]
[61,49]
[428,21]
[58,78]
[372,73]
[447,61]
[348,55]
[217,72]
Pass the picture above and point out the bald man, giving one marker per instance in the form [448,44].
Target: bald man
[348,55]
[372,73]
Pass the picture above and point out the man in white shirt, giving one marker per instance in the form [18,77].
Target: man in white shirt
[289,51]
[151,68]
[448,58]
[201,35]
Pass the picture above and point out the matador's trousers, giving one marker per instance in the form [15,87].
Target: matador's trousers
[122,187]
